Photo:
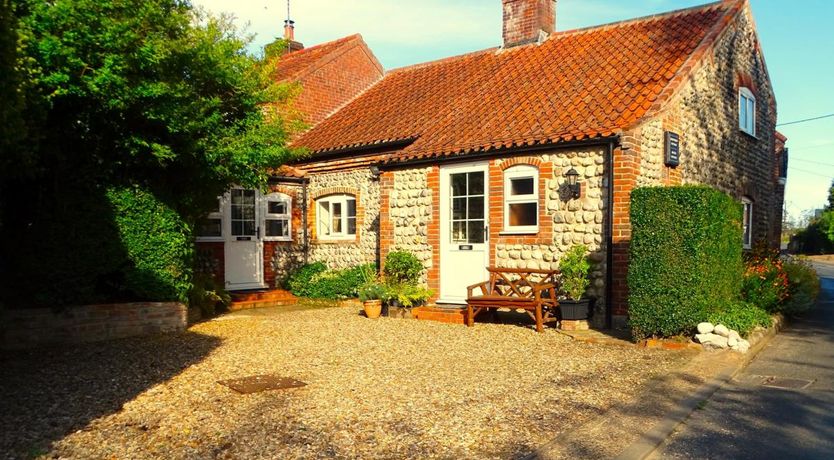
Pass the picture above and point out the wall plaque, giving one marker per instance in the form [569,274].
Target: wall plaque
[673,149]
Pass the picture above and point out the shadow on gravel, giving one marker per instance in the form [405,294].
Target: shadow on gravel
[48,393]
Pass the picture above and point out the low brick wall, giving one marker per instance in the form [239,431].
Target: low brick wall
[44,326]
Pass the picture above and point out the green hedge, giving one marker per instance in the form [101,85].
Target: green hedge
[686,257]
[91,245]
[316,281]
[158,244]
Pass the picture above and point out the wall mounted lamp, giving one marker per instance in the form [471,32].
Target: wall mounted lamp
[573,183]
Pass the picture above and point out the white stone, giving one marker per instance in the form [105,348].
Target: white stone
[732,342]
[722,330]
[734,335]
[712,340]
[743,346]
[705,328]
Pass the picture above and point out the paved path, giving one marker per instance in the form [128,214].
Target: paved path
[746,419]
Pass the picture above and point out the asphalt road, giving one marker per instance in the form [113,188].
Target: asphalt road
[781,406]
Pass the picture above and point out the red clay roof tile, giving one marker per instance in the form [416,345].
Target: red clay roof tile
[576,85]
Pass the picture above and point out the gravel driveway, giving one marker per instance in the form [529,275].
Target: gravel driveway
[383,388]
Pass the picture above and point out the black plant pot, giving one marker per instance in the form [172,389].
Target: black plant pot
[573,310]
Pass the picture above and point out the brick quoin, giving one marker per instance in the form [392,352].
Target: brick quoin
[626,166]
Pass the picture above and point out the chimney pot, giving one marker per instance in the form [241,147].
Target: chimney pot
[528,21]
[289,30]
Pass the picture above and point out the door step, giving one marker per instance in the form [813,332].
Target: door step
[245,300]
[443,315]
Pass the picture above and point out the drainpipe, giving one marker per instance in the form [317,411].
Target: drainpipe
[304,220]
[609,235]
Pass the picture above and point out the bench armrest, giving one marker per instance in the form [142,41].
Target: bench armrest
[483,285]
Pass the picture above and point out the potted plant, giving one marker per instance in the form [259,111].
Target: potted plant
[402,297]
[371,295]
[574,268]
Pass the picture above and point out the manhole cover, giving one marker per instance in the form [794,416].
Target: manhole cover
[257,383]
[785,383]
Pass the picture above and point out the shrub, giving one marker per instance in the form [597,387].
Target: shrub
[740,316]
[403,267]
[299,281]
[685,257]
[574,268]
[208,296]
[803,286]
[407,294]
[97,244]
[158,244]
[315,281]
[372,291]
[765,280]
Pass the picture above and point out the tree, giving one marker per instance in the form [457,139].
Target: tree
[830,197]
[145,94]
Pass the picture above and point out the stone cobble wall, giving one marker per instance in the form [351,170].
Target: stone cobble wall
[410,203]
[572,221]
[35,327]
[714,151]
[336,254]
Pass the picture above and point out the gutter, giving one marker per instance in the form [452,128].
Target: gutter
[499,153]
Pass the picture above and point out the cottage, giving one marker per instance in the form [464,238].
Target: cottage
[464,161]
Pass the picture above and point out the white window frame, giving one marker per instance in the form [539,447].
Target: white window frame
[324,221]
[746,111]
[278,197]
[747,223]
[216,214]
[520,172]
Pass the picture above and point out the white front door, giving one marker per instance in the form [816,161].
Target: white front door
[243,248]
[464,229]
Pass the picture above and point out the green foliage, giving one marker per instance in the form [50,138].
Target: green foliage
[803,286]
[407,294]
[316,281]
[371,291]
[118,244]
[403,267]
[765,282]
[158,245]
[299,282]
[685,257]
[574,267]
[150,90]
[818,236]
[114,94]
[740,316]
[208,296]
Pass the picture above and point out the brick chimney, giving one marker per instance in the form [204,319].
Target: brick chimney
[289,36]
[528,21]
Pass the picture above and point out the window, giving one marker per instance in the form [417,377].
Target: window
[210,228]
[521,199]
[337,217]
[278,217]
[468,207]
[747,222]
[747,111]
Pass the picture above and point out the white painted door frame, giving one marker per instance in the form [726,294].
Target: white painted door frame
[243,246]
[464,252]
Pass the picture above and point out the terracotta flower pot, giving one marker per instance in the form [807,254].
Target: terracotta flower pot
[373,308]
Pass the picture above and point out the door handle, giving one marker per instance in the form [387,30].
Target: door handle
[486,232]
[258,232]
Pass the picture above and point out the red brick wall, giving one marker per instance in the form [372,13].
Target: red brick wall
[46,326]
[524,19]
[337,82]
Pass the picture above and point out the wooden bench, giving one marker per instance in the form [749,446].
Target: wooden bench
[517,288]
